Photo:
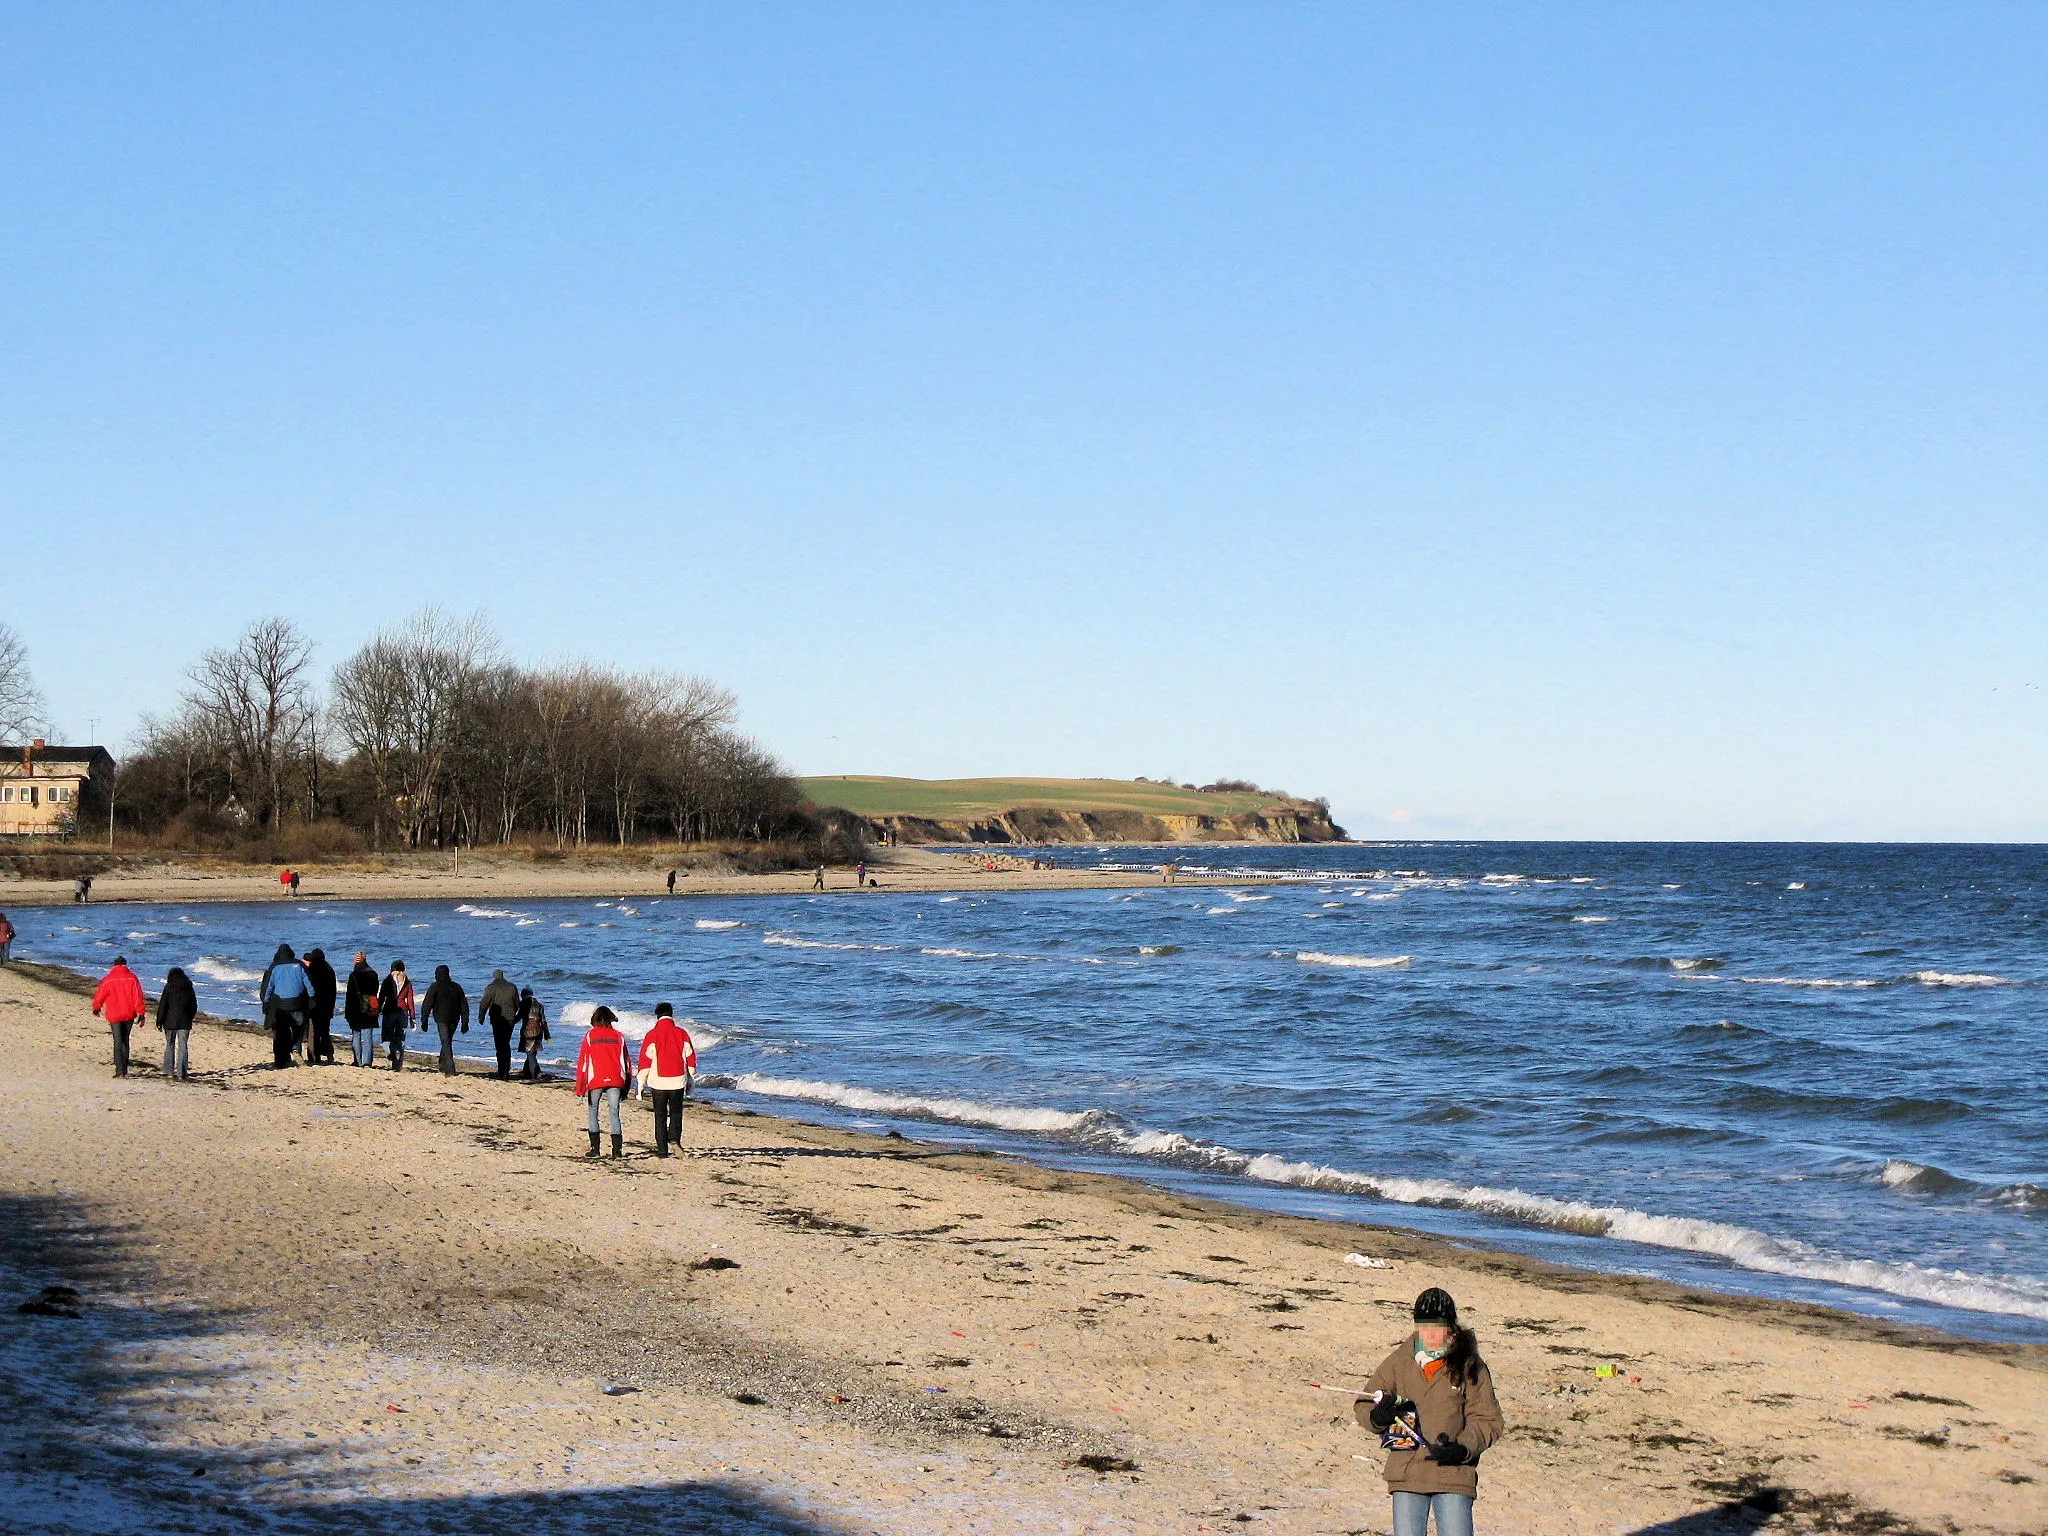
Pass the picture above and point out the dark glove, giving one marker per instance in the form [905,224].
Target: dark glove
[1448,1453]
[1382,1415]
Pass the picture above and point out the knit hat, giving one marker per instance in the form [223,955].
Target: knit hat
[1435,1306]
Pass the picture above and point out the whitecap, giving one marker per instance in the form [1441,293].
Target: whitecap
[471,911]
[223,968]
[917,1106]
[1350,962]
[1592,919]
[1796,885]
[1958,979]
[720,922]
[1804,981]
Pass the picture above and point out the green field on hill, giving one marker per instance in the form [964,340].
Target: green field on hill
[967,799]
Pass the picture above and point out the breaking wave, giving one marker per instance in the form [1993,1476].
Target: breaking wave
[1348,962]
[221,968]
[1742,1246]
[1958,979]
[469,911]
[1925,1179]
[720,922]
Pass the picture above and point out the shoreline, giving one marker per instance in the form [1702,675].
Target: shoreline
[897,1336]
[1451,1252]
[899,871]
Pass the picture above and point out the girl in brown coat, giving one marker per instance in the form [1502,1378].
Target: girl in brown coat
[1435,1382]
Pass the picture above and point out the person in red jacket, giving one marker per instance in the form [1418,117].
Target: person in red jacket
[668,1059]
[601,1073]
[118,1000]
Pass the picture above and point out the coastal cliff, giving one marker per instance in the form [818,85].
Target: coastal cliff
[1041,824]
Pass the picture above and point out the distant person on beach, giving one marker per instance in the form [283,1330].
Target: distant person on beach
[176,1007]
[668,1058]
[818,884]
[320,1043]
[671,882]
[6,939]
[447,1005]
[601,1074]
[287,993]
[499,1007]
[533,1033]
[359,1011]
[118,999]
[395,1010]
[1435,1382]
[295,882]
[81,890]
[860,873]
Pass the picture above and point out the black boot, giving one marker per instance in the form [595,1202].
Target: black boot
[618,1143]
[593,1145]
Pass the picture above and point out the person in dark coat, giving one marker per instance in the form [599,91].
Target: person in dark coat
[533,1033]
[395,1010]
[320,1047]
[499,1007]
[176,1007]
[447,1005]
[359,1010]
[287,992]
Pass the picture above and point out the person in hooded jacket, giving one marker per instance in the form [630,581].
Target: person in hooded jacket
[118,999]
[602,1073]
[320,1044]
[176,1007]
[6,938]
[498,1006]
[447,1005]
[287,992]
[533,1033]
[668,1058]
[395,1011]
[1435,1382]
[359,1010]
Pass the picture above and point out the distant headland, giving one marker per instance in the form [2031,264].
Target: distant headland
[1073,810]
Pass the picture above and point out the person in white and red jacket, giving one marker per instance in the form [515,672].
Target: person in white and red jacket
[668,1059]
[602,1073]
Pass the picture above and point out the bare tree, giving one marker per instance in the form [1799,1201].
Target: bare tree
[21,702]
[255,702]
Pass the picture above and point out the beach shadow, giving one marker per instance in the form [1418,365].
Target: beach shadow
[82,1362]
[1743,1514]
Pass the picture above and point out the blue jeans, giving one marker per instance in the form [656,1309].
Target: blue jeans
[611,1097]
[364,1043]
[1453,1514]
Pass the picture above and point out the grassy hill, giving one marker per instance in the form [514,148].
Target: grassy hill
[967,799]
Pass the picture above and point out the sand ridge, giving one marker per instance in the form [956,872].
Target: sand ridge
[910,1339]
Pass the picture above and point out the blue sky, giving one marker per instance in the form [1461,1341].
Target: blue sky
[1508,421]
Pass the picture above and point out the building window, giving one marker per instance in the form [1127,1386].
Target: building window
[7,795]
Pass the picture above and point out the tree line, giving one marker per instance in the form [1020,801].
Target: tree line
[427,736]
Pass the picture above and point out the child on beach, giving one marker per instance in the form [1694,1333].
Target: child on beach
[395,1009]
[1436,1378]
[667,1059]
[601,1074]
[533,1033]
[176,1007]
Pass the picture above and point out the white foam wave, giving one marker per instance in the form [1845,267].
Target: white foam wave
[1158,949]
[970,954]
[944,899]
[1958,979]
[471,911]
[1796,885]
[1804,981]
[528,922]
[791,941]
[1240,896]
[1224,911]
[1592,919]
[1350,962]
[952,1111]
[1742,1246]
[221,968]
[1705,963]
[720,922]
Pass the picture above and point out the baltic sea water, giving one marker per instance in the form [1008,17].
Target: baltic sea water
[1808,1071]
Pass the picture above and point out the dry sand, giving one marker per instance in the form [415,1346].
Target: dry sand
[331,1299]
[496,877]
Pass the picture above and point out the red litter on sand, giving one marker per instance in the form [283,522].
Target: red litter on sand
[956,1333]
[393,1408]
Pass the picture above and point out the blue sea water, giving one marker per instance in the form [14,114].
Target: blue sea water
[1800,1071]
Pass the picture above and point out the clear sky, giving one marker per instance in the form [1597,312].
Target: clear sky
[1554,420]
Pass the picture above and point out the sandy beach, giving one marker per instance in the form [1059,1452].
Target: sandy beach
[335,1299]
[496,877]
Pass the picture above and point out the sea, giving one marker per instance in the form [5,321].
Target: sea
[1816,1072]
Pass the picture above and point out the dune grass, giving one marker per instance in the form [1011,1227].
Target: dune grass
[956,799]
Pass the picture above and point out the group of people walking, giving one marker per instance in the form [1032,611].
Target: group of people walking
[299,997]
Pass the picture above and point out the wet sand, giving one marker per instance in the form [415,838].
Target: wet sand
[339,1299]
